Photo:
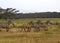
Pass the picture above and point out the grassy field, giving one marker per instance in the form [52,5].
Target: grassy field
[50,36]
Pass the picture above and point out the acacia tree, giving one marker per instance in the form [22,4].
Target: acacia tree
[11,10]
[8,13]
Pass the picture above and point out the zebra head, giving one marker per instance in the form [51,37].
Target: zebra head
[10,22]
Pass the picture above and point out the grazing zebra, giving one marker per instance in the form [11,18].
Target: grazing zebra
[6,25]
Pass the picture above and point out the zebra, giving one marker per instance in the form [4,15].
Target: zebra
[46,24]
[6,25]
[26,27]
[35,25]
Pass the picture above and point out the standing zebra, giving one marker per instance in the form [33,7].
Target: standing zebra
[46,24]
[6,25]
[35,25]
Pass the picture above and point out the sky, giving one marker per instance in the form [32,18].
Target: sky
[31,6]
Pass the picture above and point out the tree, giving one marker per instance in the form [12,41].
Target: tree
[9,12]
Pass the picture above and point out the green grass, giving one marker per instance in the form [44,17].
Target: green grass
[26,20]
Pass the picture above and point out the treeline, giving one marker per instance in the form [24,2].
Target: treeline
[13,14]
[41,15]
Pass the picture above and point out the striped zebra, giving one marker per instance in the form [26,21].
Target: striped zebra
[6,25]
[35,25]
[46,24]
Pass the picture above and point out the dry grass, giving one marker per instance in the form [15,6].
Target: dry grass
[34,37]
[50,36]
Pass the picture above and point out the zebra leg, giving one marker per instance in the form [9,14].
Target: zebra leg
[28,29]
[7,30]
[46,29]
[37,29]
[24,29]
[0,30]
